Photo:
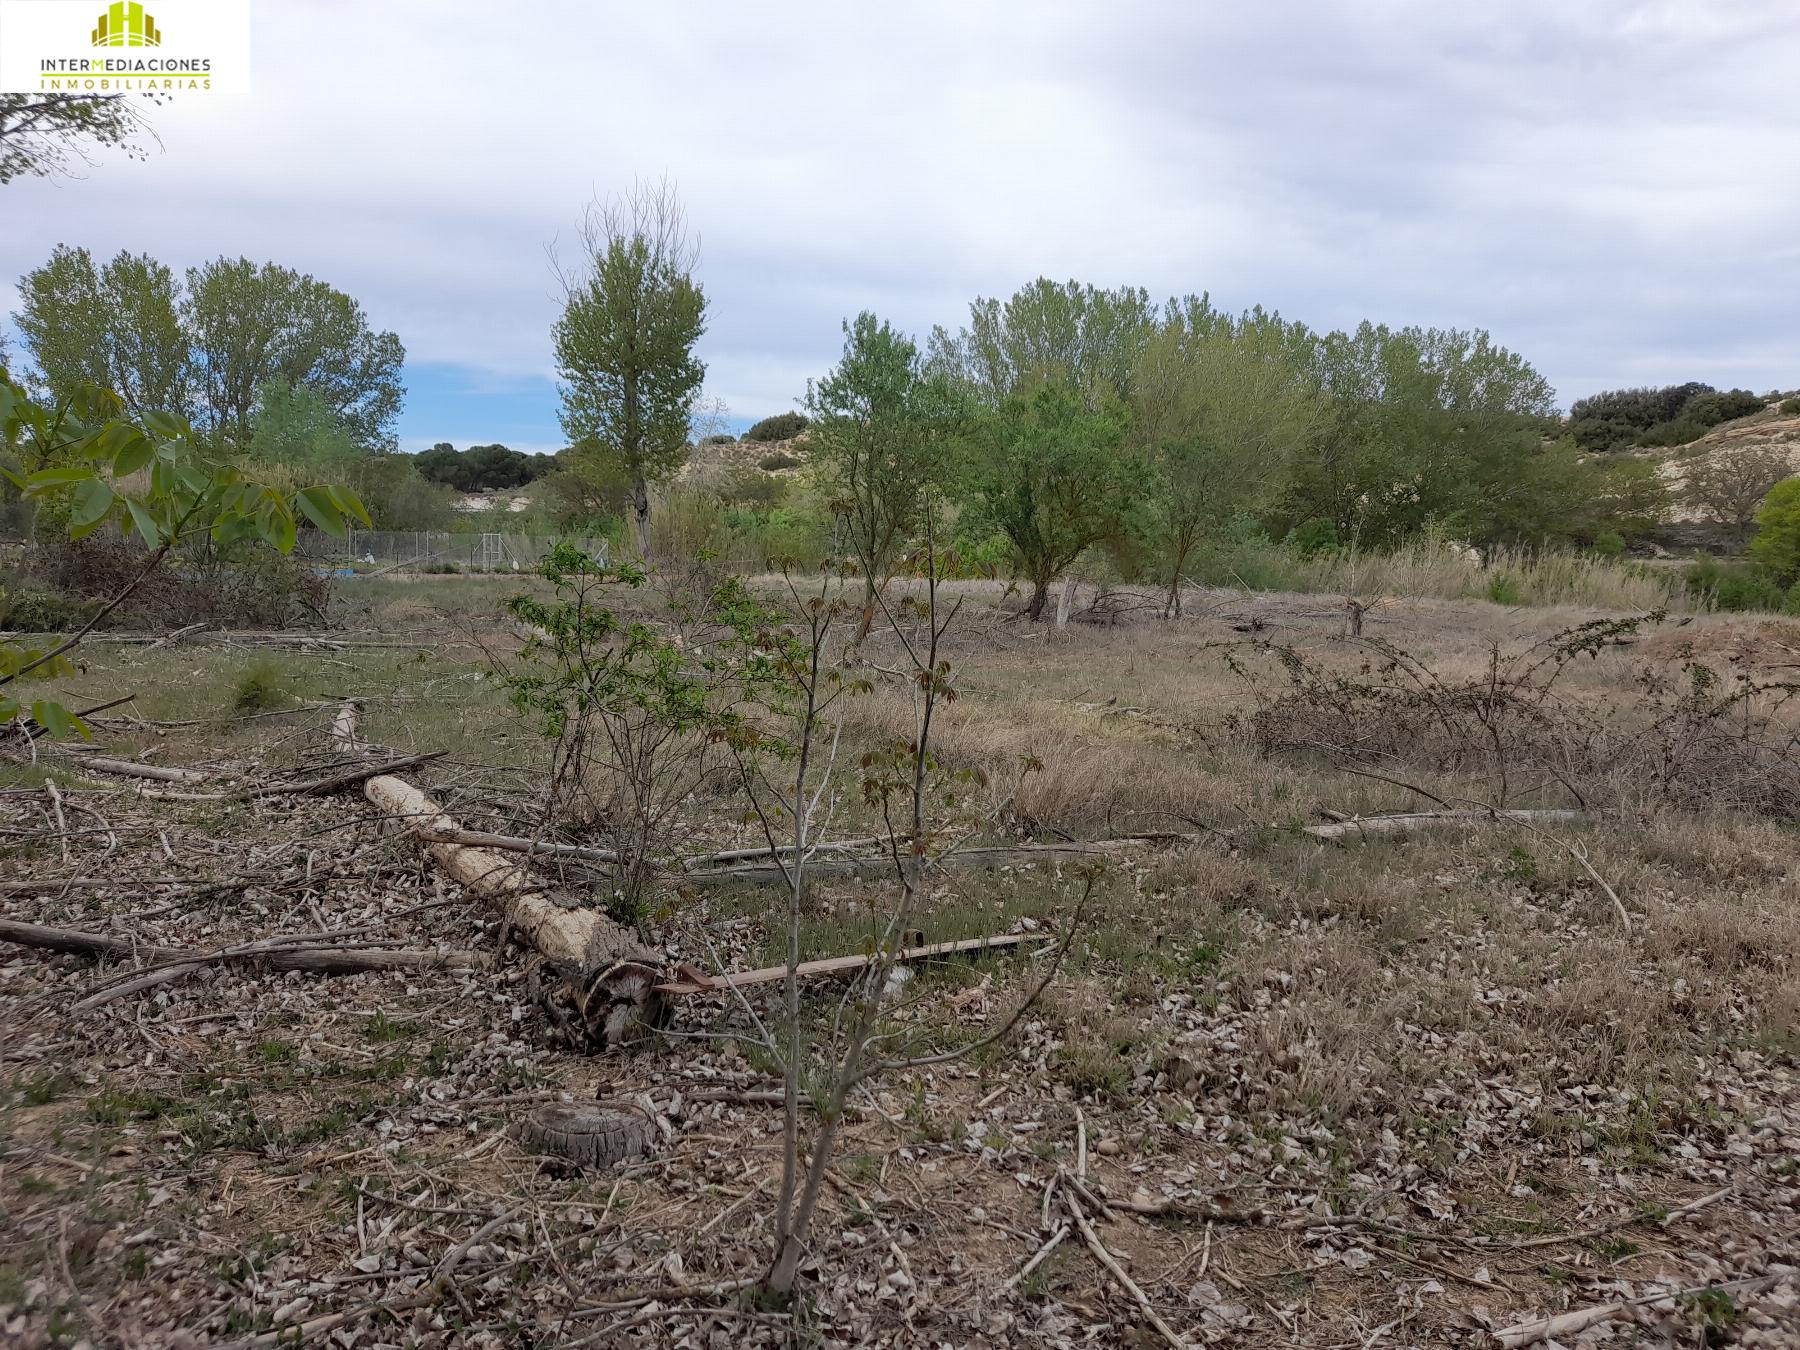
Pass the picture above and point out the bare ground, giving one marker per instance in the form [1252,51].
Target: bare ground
[1402,1092]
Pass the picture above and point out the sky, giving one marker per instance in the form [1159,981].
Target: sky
[1611,187]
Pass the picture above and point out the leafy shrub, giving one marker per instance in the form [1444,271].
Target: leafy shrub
[1791,407]
[1314,537]
[1673,415]
[781,427]
[1503,590]
[779,460]
[1777,542]
[719,438]
[239,586]
[259,689]
[1736,586]
[31,607]
[1609,544]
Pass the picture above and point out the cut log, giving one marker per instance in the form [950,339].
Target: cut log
[591,1136]
[1363,826]
[608,976]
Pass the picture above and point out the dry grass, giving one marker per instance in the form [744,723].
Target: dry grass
[1450,1033]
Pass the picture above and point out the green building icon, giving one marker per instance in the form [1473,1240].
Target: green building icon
[126,25]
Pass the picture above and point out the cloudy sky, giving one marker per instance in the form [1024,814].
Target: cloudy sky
[1611,187]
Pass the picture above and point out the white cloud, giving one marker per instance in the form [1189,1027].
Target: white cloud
[1610,187]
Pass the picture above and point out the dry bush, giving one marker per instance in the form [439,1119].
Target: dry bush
[1690,740]
[242,587]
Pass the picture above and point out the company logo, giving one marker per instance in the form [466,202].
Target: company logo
[62,46]
[127,26]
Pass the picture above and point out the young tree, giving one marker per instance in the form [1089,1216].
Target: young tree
[1049,472]
[883,433]
[1728,485]
[249,325]
[1219,410]
[117,327]
[632,314]
[40,133]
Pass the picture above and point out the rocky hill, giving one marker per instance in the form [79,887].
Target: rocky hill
[1765,441]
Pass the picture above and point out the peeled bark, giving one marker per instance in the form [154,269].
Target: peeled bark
[609,977]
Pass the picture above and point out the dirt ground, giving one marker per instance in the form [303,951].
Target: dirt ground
[1393,1091]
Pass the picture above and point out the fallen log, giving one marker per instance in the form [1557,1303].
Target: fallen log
[608,975]
[1407,822]
[131,768]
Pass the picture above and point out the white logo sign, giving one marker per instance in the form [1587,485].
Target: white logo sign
[124,47]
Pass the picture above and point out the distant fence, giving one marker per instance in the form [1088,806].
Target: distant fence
[495,551]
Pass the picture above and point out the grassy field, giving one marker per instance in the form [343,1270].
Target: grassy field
[1396,1090]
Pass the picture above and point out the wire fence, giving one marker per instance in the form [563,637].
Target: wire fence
[495,551]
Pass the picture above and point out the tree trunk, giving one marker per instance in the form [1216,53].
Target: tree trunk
[640,515]
[868,610]
[1040,593]
[1066,601]
[609,976]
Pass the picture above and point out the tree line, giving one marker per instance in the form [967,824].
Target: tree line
[1070,421]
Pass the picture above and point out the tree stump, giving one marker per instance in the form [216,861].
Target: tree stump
[590,1136]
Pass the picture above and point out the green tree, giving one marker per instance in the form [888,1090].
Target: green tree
[632,314]
[117,326]
[882,432]
[250,325]
[82,450]
[40,133]
[1050,473]
[1777,542]
[1423,423]
[1220,408]
[1078,335]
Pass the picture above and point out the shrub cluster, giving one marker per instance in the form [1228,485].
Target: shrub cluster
[781,427]
[1672,415]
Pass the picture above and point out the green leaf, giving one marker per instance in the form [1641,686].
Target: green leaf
[321,510]
[92,500]
[48,480]
[278,528]
[145,522]
[351,504]
[52,717]
[133,455]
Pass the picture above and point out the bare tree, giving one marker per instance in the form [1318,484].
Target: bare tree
[862,1039]
[39,133]
[1728,485]
[632,314]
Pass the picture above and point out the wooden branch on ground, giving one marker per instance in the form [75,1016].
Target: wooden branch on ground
[360,774]
[1579,1319]
[832,965]
[871,868]
[131,768]
[175,963]
[611,977]
[1407,822]
[512,843]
